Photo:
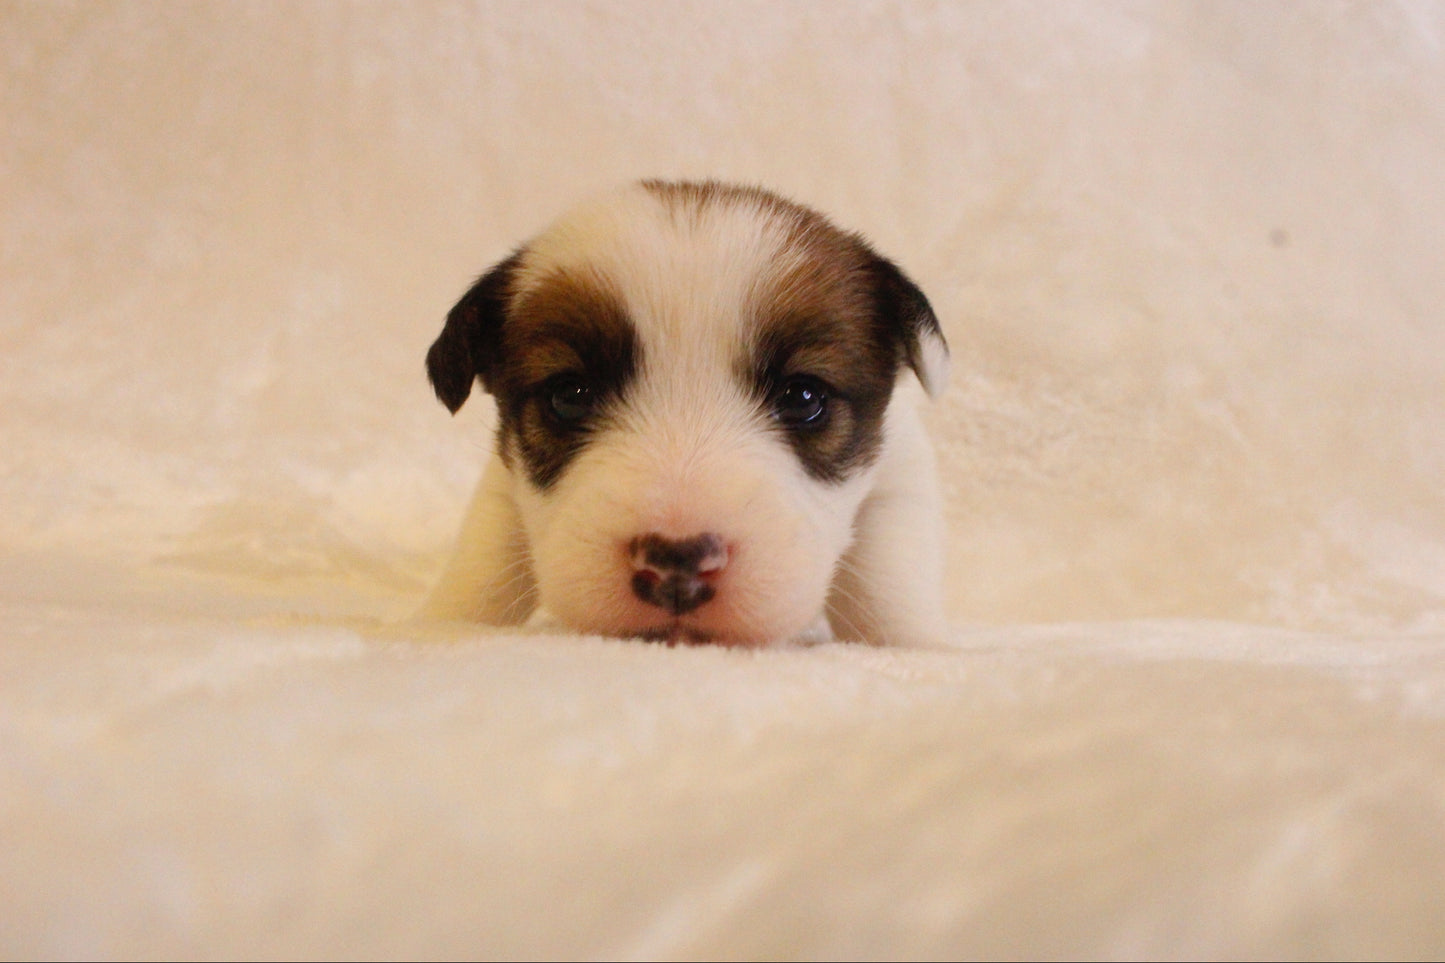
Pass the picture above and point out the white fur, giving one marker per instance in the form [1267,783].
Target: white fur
[689,452]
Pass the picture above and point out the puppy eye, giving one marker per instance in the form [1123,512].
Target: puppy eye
[569,399]
[801,402]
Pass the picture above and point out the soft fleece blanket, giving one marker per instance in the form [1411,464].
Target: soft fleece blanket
[1189,258]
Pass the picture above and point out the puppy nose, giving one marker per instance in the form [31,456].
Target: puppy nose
[676,573]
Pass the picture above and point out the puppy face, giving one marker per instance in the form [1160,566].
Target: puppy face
[692,382]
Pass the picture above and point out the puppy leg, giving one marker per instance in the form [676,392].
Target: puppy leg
[889,586]
[489,578]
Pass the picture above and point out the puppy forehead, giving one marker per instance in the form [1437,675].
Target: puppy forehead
[684,262]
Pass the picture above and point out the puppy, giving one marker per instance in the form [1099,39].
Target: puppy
[707,429]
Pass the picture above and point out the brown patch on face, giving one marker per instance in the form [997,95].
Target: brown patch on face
[819,323]
[567,352]
[828,343]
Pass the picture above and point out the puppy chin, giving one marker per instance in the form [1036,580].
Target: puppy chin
[722,623]
[685,631]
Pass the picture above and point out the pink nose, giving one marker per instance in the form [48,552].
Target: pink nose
[676,573]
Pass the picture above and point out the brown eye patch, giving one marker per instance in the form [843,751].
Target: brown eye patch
[568,352]
[825,382]
[818,323]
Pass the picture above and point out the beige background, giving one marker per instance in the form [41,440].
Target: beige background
[1188,256]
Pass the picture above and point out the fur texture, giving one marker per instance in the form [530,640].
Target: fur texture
[707,427]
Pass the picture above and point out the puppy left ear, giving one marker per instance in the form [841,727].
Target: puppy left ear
[468,344]
[904,305]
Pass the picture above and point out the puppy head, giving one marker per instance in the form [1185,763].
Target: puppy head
[691,382]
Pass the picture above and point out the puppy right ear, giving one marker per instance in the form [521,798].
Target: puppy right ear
[910,314]
[468,344]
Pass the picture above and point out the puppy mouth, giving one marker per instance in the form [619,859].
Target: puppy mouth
[676,633]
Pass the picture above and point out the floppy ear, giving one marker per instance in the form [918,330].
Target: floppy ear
[902,304]
[468,344]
